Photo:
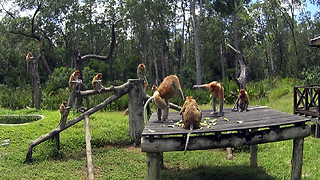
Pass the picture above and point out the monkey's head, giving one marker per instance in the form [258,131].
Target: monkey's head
[64,103]
[214,86]
[76,72]
[189,98]
[242,92]
[99,75]
[141,66]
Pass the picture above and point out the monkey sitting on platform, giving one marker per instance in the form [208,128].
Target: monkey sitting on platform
[191,116]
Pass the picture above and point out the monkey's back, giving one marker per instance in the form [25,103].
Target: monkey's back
[192,116]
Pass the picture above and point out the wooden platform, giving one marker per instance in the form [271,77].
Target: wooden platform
[258,125]
[256,117]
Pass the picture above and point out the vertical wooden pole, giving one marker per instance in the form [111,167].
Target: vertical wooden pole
[297,158]
[88,149]
[153,162]
[254,155]
[136,122]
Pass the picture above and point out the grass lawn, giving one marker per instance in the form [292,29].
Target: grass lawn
[114,156]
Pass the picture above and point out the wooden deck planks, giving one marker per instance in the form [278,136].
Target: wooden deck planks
[256,117]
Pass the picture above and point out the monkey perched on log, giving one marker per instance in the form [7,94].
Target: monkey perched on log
[74,80]
[142,72]
[97,82]
[63,109]
[164,92]
[191,116]
[217,91]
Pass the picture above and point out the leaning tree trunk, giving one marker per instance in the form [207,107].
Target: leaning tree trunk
[242,79]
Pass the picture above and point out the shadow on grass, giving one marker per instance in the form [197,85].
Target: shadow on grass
[216,173]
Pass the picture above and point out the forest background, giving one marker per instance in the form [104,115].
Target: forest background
[186,38]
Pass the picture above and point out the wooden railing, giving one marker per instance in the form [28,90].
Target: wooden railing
[306,102]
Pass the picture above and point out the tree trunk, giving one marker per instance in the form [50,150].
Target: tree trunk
[156,67]
[222,62]
[33,64]
[236,36]
[196,27]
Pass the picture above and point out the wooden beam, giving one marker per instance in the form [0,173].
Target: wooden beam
[225,140]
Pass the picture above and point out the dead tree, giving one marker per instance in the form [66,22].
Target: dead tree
[242,79]
[36,86]
[81,59]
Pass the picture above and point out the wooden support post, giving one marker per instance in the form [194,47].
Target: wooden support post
[88,150]
[136,122]
[57,139]
[153,163]
[254,155]
[297,157]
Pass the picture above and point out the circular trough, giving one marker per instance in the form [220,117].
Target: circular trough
[16,120]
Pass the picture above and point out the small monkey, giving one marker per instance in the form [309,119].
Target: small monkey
[217,91]
[63,108]
[243,100]
[74,79]
[161,96]
[141,72]
[29,57]
[191,116]
[154,89]
[96,82]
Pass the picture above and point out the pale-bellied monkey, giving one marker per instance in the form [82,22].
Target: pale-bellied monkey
[142,72]
[63,109]
[97,82]
[191,116]
[29,57]
[164,92]
[217,91]
[243,100]
[74,80]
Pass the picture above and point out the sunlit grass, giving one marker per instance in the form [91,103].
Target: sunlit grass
[114,156]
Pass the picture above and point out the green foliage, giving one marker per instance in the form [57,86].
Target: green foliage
[59,79]
[311,76]
[15,98]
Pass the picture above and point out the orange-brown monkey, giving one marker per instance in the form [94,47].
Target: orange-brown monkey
[63,108]
[217,91]
[96,82]
[142,72]
[191,116]
[165,91]
[243,100]
[74,79]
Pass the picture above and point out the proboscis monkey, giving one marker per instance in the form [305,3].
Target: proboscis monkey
[142,72]
[96,82]
[29,57]
[74,79]
[154,89]
[217,91]
[164,92]
[191,116]
[243,100]
[63,108]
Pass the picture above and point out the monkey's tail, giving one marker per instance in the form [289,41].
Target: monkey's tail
[187,141]
[145,109]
